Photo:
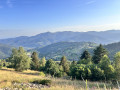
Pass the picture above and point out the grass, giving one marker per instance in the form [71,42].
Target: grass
[8,76]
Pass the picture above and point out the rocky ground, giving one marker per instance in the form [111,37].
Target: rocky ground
[21,86]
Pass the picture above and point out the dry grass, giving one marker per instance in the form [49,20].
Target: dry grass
[8,76]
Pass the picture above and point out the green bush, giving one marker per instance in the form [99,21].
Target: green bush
[43,82]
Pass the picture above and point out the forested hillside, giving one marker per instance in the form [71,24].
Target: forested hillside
[5,51]
[113,48]
[72,50]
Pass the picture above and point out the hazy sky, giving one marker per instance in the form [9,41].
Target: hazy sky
[30,17]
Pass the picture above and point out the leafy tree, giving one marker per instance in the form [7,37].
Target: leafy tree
[99,52]
[105,65]
[43,62]
[117,64]
[117,60]
[73,64]
[35,65]
[78,71]
[97,73]
[61,72]
[20,59]
[85,55]
[52,68]
[64,64]
[81,71]
[11,59]
[85,61]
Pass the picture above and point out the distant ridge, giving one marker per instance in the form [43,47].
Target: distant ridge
[44,39]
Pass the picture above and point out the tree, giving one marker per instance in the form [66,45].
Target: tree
[85,55]
[73,64]
[117,65]
[97,73]
[64,64]
[43,62]
[99,52]
[52,68]
[117,60]
[85,61]
[105,65]
[20,59]
[35,65]
[11,59]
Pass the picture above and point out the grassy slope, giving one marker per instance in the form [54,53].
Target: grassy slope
[7,76]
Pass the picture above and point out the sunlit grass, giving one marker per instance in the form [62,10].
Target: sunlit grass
[8,76]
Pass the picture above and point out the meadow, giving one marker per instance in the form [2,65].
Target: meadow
[9,76]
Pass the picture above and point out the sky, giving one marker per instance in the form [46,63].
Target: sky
[31,17]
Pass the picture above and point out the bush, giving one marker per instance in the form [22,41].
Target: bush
[43,82]
[42,74]
[1,64]
[46,82]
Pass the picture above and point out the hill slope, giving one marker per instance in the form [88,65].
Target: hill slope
[44,39]
[5,51]
[72,50]
[113,48]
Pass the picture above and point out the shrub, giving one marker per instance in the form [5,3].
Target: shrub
[42,74]
[46,82]
[43,82]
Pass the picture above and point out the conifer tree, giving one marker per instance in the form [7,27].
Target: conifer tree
[99,52]
[64,64]
[85,55]
[35,61]
[43,61]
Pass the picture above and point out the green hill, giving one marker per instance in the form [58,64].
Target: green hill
[72,50]
[5,51]
[113,48]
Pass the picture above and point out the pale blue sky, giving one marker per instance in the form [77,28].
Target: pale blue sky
[30,17]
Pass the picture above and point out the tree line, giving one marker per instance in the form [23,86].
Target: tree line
[96,67]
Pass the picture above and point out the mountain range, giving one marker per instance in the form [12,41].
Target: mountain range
[70,44]
[44,39]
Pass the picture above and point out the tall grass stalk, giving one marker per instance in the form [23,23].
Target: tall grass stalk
[105,87]
[118,85]
[86,85]
[98,86]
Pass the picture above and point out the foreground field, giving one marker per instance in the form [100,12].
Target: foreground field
[8,77]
